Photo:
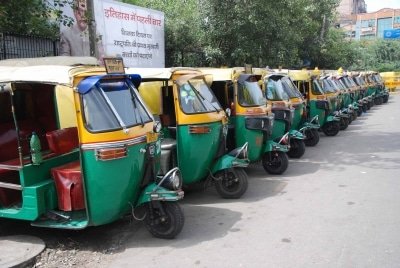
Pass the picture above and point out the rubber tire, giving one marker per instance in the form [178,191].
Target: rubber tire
[175,221]
[270,166]
[297,148]
[354,115]
[365,107]
[312,137]
[331,128]
[344,123]
[224,190]
[369,104]
[378,101]
[359,111]
[385,98]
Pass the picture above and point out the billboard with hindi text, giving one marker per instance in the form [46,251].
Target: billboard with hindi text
[134,33]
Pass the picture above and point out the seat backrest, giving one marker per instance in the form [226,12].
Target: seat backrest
[62,141]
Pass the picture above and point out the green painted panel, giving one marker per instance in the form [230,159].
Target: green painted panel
[279,129]
[111,185]
[297,118]
[315,111]
[196,152]
[253,137]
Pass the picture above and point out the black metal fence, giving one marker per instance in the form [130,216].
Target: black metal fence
[23,46]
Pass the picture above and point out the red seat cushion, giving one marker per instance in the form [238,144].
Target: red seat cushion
[68,180]
[63,140]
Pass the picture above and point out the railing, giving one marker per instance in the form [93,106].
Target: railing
[25,46]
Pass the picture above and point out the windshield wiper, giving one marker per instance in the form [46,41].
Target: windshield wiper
[201,96]
[134,102]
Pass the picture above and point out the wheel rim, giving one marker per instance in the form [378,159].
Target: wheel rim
[230,182]
[275,161]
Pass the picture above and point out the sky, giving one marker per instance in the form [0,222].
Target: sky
[375,5]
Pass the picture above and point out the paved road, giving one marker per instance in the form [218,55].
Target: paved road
[338,206]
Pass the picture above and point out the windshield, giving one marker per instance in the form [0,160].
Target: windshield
[316,88]
[250,94]
[196,97]
[290,89]
[275,90]
[111,105]
[327,86]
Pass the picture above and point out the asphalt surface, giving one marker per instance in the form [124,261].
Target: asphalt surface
[337,206]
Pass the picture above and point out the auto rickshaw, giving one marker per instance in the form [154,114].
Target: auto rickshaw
[283,110]
[336,92]
[194,130]
[250,120]
[318,105]
[79,148]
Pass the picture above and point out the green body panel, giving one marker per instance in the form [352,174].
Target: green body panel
[38,189]
[333,103]
[315,111]
[197,152]
[279,129]
[228,161]
[112,186]
[164,194]
[297,117]
[346,100]
[254,138]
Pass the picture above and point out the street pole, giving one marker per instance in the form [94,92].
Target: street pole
[92,29]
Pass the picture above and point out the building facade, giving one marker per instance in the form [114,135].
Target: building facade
[372,25]
[347,11]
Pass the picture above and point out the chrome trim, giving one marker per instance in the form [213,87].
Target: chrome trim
[10,186]
[113,144]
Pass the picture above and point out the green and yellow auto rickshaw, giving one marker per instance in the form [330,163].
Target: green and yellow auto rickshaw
[274,87]
[318,106]
[79,148]
[194,129]
[250,120]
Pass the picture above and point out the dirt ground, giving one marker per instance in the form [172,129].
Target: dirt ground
[90,247]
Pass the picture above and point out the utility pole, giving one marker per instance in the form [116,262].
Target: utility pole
[92,29]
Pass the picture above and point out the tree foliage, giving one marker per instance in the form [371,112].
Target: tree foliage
[33,17]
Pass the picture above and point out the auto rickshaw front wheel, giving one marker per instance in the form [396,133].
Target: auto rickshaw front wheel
[312,137]
[344,123]
[275,162]
[164,219]
[331,128]
[231,183]
[297,148]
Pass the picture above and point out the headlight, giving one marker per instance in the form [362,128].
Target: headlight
[172,180]
[157,126]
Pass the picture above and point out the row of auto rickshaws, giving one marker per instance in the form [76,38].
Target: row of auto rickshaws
[83,145]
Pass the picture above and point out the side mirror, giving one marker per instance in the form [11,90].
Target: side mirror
[228,112]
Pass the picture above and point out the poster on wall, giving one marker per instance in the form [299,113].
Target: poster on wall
[134,33]
[74,39]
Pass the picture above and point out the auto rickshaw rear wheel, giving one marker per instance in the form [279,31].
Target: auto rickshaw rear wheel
[344,123]
[231,183]
[297,148]
[359,111]
[331,128]
[275,162]
[164,219]
[312,137]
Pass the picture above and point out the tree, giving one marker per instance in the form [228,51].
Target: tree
[33,17]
